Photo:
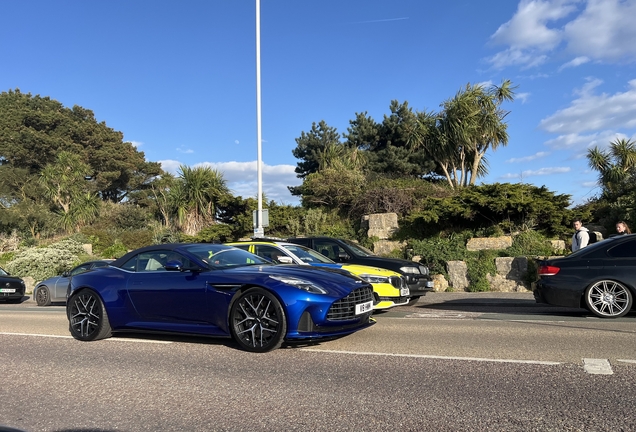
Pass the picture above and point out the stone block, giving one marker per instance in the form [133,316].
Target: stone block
[382,225]
[440,284]
[457,275]
[496,243]
[385,247]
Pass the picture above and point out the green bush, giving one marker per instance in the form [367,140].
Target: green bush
[480,264]
[435,252]
[42,263]
[529,243]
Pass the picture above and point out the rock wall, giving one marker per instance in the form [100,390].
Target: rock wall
[510,276]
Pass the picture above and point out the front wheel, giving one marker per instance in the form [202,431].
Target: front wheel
[608,299]
[87,317]
[257,321]
[43,296]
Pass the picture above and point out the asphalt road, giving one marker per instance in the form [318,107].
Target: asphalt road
[469,362]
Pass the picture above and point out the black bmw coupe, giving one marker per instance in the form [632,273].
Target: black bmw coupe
[600,277]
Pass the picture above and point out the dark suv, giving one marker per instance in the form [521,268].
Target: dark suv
[347,251]
[11,287]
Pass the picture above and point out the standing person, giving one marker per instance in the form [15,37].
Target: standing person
[581,236]
[622,228]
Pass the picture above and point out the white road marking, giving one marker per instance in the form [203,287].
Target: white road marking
[597,366]
[626,361]
[70,337]
[538,362]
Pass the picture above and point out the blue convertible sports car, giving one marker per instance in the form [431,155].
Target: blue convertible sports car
[216,290]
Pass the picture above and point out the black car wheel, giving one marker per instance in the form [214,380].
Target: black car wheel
[257,321]
[43,296]
[608,299]
[88,320]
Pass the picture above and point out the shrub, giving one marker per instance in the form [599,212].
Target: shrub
[41,263]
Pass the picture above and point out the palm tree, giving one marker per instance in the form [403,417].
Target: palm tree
[66,187]
[469,125]
[195,197]
[616,166]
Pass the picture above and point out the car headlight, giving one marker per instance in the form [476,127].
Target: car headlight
[300,284]
[410,270]
[373,279]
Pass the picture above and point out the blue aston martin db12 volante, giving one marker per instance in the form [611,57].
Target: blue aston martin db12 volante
[216,290]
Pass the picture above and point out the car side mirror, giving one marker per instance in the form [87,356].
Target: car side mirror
[174,265]
[66,274]
[342,256]
[285,260]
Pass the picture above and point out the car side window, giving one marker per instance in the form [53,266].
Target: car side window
[624,250]
[80,269]
[328,249]
[269,252]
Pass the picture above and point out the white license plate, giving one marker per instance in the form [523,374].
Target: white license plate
[364,307]
[430,284]
[404,292]
[7,290]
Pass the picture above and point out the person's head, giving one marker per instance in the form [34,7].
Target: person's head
[577,224]
[621,227]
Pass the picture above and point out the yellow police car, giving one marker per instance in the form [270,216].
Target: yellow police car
[389,287]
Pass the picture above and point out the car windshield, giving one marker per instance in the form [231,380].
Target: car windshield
[217,256]
[307,255]
[3,273]
[359,250]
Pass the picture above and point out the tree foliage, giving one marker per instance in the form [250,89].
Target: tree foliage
[34,130]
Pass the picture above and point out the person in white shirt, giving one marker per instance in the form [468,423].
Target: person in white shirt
[581,236]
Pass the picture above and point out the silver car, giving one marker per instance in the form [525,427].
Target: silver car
[54,288]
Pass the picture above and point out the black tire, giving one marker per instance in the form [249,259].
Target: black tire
[87,317]
[608,299]
[257,321]
[43,296]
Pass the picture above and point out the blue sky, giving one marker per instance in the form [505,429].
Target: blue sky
[178,78]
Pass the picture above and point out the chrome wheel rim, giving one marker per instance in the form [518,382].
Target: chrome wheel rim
[85,314]
[608,298]
[256,321]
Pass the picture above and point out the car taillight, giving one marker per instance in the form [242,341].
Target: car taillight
[548,270]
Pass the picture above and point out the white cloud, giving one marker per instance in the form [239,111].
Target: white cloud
[601,30]
[582,142]
[136,144]
[604,30]
[242,179]
[592,111]
[528,35]
[528,158]
[186,151]
[539,172]
[528,28]
[523,97]
[575,62]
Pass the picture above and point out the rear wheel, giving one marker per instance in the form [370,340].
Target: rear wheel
[43,296]
[608,299]
[88,320]
[257,321]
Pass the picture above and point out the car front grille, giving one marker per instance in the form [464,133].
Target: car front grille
[398,281]
[345,308]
